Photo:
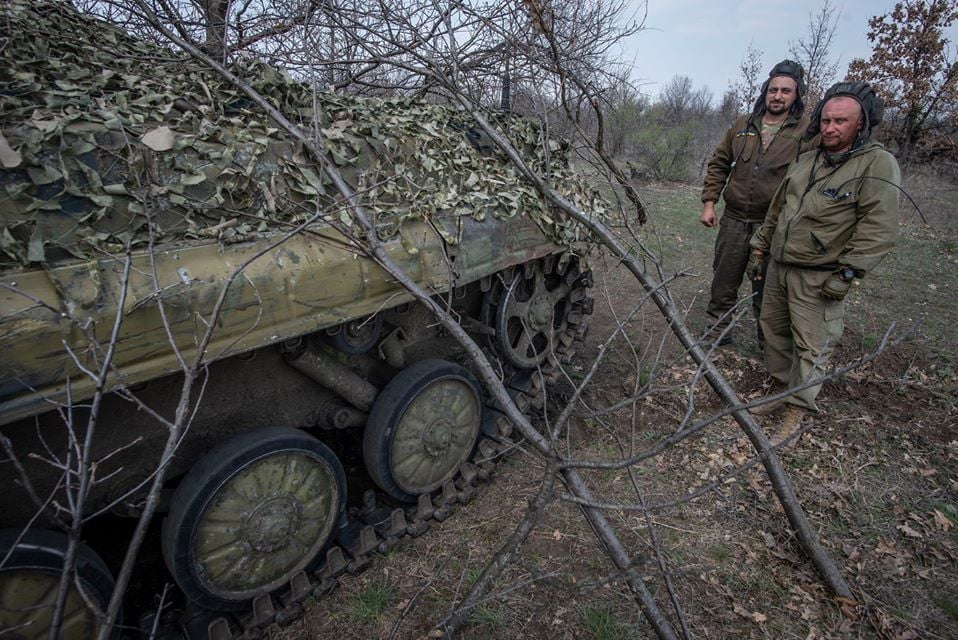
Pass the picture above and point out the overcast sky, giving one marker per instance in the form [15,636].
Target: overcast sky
[706,40]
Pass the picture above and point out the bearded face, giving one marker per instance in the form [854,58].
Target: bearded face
[780,95]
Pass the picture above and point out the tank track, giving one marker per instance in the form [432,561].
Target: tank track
[374,528]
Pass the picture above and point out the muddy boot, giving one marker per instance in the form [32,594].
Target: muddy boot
[715,337]
[789,422]
[769,408]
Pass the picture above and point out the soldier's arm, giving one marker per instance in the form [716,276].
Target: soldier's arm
[877,213]
[719,167]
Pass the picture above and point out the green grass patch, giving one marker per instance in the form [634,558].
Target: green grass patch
[472,575]
[602,625]
[719,553]
[489,618]
[371,602]
[949,606]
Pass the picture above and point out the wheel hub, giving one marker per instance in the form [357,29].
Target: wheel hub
[357,332]
[270,525]
[540,313]
[437,437]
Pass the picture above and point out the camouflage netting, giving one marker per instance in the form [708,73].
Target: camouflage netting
[98,130]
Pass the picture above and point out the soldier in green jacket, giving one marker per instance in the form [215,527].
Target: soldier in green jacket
[833,218]
[745,169]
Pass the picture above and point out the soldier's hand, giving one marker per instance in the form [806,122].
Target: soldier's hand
[835,288]
[708,214]
[755,268]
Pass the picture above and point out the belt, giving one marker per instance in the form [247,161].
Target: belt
[811,267]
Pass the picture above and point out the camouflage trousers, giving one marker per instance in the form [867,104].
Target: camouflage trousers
[728,268]
[801,328]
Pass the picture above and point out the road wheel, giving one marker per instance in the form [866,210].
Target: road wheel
[422,427]
[29,580]
[252,513]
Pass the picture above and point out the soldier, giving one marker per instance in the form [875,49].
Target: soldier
[746,168]
[833,218]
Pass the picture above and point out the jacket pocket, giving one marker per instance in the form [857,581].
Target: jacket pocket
[749,145]
[832,204]
[820,245]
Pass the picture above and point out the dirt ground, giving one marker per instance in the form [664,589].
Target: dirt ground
[875,471]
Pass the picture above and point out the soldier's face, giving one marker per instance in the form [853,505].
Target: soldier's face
[841,121]
[780,95]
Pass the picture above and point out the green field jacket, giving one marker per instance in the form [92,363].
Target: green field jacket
[746,176]
[823,216]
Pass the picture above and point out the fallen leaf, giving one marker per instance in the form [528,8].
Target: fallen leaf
[759,617]
[159,139]
[908,531]
[938,554]
[742,611]
[9,157]
[942,521]
[848,607]
[886,547]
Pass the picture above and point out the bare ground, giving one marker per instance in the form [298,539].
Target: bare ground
[875,470]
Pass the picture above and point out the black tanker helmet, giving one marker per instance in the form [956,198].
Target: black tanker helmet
[793,70]
[873,109]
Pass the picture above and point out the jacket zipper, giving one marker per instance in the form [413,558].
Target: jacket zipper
[812,181]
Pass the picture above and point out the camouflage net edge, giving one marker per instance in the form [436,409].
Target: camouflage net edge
[103,135]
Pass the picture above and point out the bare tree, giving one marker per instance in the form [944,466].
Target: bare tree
[813,51]
[627,108]
[746,86]
[682,102]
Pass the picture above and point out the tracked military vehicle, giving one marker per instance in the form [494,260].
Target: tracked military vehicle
[151,217]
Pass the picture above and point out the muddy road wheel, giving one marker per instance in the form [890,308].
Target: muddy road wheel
[251,514]
[422,428]
[29,580]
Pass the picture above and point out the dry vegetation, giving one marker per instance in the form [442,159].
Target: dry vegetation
[875,470]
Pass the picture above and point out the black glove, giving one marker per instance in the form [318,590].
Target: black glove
[836,287]
[755,269]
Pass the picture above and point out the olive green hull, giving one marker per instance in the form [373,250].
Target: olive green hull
[277,288]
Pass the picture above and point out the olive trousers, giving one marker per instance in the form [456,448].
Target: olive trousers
[728,268]
[801,328]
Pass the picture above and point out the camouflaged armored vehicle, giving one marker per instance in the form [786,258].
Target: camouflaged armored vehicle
[138,193]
